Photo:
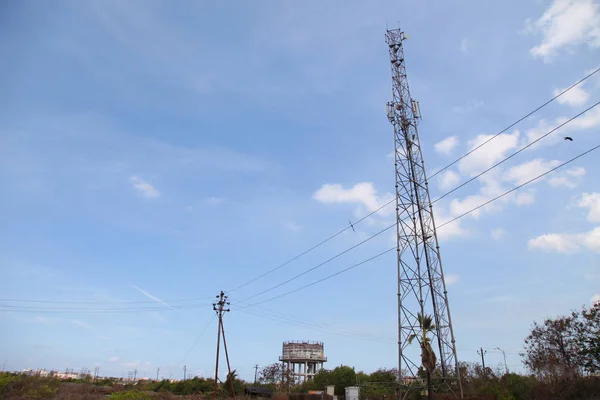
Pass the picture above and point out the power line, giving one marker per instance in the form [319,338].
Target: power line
[51,310]
[197,339]
[433,175]
[515,123]
[321,264]
[314,247]
[329,276]
[294,320]
[102,302]
[434,201]
[515,153]
[316,328]
[521,185]
[440,226]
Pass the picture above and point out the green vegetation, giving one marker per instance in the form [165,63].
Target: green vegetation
[562,355]
[130,395]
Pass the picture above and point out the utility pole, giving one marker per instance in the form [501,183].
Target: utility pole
[135,375]
[421,288]
[504,354]
[482,353]
[255,373]
[219,308]
[157,371]
[184,372]
[96,371]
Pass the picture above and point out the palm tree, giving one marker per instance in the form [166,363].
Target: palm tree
[428,358]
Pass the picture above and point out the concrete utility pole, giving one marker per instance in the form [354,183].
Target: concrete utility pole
[219,308]
[184,372]
[255,373]
[157,371]
[482,353]
[504,354]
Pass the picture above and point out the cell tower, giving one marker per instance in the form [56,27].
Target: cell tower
[421,286]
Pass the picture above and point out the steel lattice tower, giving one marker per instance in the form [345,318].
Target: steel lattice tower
[421,286]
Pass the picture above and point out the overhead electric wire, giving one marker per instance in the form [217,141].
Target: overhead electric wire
[57,310]
[434,201]
[312,248]
[323,263]
[366,216]
[433,175]
[516,122]
[328,276]
[440,226]
[336,332]
[101,301]
[198,339]
[515,153]
[521,185]
[308,322]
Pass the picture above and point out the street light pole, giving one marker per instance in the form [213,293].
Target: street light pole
[504,354]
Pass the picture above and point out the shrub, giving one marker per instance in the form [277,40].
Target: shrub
[129,395]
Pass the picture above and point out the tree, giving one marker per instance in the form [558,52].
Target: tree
[588,338]
[237,384]
[552,350]
[341,377]
[272,375]
[428,358]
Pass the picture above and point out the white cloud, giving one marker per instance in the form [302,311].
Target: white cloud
[447,230]
[595,299]
[213,201]
[567,243]
[574,242]
[81,324]
[113,359]
[525,198]
[144,188]
[526,171]
[589,120]
[464,46]
[447,145]
[498,233]
[43,320]
[451,279]
[570,178]
[576,96]
[566,23]
[554,242]
[448,180]
[468,107]
[142,291]
[292,226]
[363,193]
[488,154]
[459,207]
[132,364]
[591,201]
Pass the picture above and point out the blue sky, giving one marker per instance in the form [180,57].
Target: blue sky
[154,151]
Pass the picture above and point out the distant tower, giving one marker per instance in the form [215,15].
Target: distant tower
[303,359]
[421,286]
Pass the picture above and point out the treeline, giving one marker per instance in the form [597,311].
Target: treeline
[562,356]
